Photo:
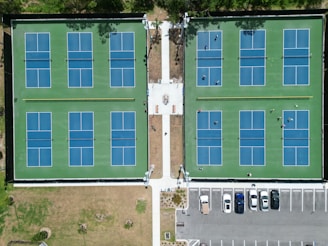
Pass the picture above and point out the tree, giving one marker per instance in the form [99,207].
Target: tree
[156,24]
[176,9]
[142,5]
[109,6]
[10,6]
[79,6]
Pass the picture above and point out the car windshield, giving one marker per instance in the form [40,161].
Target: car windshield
[253,196]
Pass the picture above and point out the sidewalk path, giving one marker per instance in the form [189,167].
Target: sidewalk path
[165,27]
[162,107]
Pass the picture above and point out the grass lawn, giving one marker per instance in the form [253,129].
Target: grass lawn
[104,210]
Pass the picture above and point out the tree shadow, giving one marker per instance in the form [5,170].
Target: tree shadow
[194,27]
[250,24]
[175,35]
[79,26]
[104,29]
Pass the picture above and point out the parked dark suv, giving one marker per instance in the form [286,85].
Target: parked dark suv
[239,203]
[274,199]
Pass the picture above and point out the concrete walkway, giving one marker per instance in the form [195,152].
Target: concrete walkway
[165,27]
[163,101]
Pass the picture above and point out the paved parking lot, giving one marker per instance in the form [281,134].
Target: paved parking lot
[293,200]
[254,243]
[302,219]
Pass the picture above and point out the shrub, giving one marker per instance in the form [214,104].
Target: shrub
[40,236]
[176,199]
[141,206]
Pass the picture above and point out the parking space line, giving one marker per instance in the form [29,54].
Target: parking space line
[233,200]
[278,243]
[279,205]
[302,200]
[255,242]
[210,242]
[221,242]
[290,200]
[245,206]
[301,243]
[199,199]
[313,201]
[233,242]
[325,200]
[244,243]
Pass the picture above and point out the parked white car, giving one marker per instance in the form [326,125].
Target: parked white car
[204,204]
[226,203]
[264,201]
[252,199]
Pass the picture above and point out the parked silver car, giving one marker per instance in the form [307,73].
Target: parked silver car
[264,200]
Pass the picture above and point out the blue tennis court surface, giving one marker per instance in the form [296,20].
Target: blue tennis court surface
[209,138]
[79,49]
[252,57]
[123,138]
[251,137]
[209,58]
[296,57]
[296,137]
[37,60]
[81,139]
[122,59]
[38,139]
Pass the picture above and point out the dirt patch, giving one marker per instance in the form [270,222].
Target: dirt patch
[170,201]
[167,224]
[157,13]
[155,145]
[154,56]
[176,55]
[65,209]
[176,122]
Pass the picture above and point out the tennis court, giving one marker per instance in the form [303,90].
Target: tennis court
[296,56]
[252,57]
[37,57]
[209,56]
[123,142]
[122,59]
[296,137]
[252,137]
[209,144]
[79,55]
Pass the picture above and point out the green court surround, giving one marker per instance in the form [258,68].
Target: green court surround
[231,98]
[59,99]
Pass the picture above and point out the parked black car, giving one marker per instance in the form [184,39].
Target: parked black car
[239,203]
[274,199]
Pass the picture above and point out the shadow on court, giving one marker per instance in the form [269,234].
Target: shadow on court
[104,28]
